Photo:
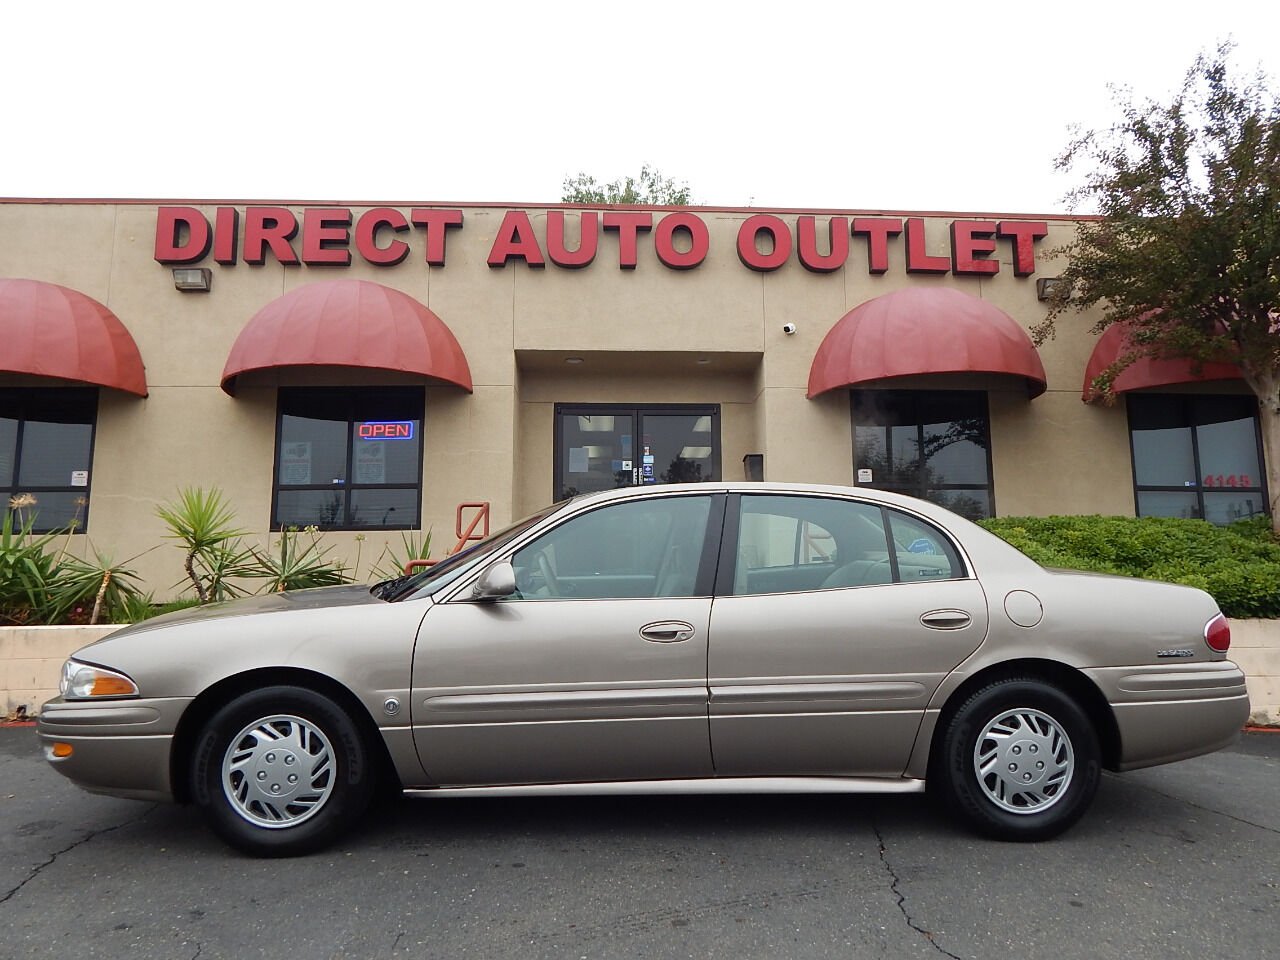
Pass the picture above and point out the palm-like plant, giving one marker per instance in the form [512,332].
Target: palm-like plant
[219,566]
[205,524]
[107,585]
[27,571]
[293,565]
[391,564]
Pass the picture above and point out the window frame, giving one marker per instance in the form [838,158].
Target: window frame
[25,398]
[351,396]
[1186,409]
[914,397]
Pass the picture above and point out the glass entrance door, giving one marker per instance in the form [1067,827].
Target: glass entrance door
[602,446]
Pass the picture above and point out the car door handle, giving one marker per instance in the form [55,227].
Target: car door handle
[667,631]
[946,619]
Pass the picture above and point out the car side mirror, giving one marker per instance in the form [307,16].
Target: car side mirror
[497,581]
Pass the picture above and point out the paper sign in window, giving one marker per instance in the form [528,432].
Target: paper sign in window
[295,462]
[371,462]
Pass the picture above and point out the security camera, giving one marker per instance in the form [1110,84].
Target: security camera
[788,328]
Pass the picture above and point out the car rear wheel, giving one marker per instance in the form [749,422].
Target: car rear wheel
[281,771]
[1019,760]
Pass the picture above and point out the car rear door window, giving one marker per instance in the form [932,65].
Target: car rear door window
[789,544]
[921,552]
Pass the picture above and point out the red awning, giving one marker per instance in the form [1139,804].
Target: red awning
[1145,371]
[52,331]
[348,323]
[924,330]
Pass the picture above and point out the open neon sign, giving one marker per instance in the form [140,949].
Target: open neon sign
[385,430]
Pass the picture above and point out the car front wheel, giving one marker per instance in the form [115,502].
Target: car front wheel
[281,771]
[1020,760]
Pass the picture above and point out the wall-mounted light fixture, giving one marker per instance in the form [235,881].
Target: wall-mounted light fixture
[188,279]
[1052,288]
[753,466]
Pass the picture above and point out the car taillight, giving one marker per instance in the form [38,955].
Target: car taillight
[1217,634]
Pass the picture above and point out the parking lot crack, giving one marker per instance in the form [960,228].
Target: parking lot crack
[901,897]
[40,867]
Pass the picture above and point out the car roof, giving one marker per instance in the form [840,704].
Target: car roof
[763,487]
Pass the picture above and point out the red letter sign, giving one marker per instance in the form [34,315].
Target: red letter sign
[1025,234]
[837,243]
[270,227]
[877,231]
[515,239]
[970,244]
[664,237]
[226,235]
[918,261]
[367,227]
[627,225]
[171,223]
[779,235]
[326,237]
[588,232]
[436,223]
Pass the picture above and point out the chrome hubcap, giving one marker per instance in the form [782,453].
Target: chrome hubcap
[1024,761]
[278,771]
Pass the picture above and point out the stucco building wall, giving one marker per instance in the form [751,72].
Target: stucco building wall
[712,334]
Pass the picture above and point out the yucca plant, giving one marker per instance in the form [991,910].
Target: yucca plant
[99,585]
[220,566]
[205,524]
[296,565]
[391,564]
[145,606]
[28,572]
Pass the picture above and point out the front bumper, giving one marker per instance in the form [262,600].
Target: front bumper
[118,747]
[1174,711]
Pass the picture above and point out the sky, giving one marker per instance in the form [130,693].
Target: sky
[959,106]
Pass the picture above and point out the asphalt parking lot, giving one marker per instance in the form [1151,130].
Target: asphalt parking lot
[1176,861]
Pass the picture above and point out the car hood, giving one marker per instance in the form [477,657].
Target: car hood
[318,598]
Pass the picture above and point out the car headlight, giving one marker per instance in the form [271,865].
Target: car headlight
[81,681]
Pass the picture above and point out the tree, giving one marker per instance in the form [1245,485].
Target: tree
[1186,247]
[651,187]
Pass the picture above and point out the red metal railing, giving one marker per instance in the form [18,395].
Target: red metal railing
[465,536]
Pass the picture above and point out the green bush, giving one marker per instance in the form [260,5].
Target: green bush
[1239,565]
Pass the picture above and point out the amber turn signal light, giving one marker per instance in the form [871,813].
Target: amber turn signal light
[105,685]
[62,749]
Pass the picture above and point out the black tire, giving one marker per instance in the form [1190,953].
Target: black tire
[281,771]
[1019,761]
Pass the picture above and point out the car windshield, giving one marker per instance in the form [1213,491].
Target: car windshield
[433,578]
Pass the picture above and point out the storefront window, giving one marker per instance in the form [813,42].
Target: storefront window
[1196,456]
[46,449]
[349,459]
[935,445]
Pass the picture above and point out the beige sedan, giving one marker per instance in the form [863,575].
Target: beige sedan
[682,638]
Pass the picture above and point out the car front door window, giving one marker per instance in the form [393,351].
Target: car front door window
[646,548]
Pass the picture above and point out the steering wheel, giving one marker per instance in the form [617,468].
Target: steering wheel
[548,575]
